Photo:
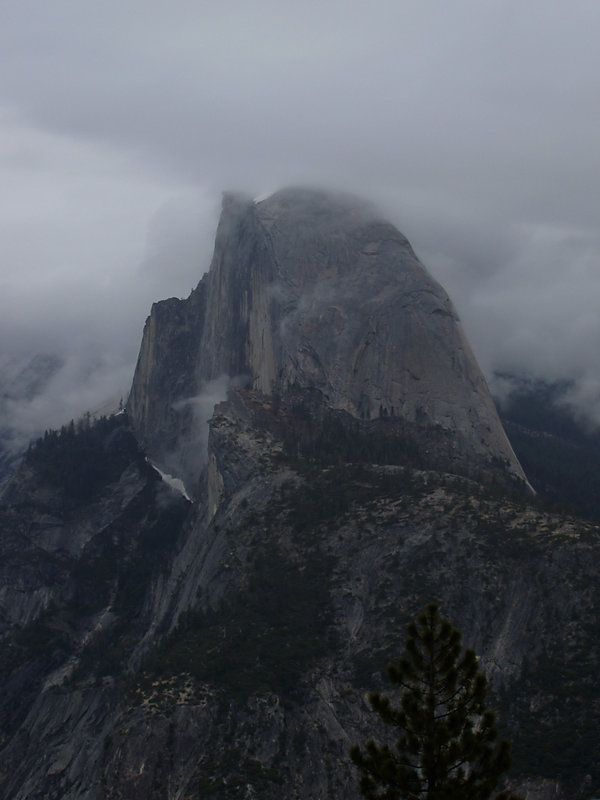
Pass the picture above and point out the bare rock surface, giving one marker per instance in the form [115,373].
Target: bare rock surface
[312,290]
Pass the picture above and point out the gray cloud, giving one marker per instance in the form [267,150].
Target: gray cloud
[179,245]
[54,392]
[474,127]
[190,456]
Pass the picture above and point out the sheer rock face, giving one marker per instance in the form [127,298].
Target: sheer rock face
[312,290]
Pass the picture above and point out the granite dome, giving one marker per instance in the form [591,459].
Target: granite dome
[315,290]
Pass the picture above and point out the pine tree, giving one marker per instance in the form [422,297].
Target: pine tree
[447,746]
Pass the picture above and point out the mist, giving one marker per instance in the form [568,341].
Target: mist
[473,128]
[189,458]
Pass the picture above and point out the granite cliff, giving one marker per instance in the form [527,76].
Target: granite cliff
[309,290]
[154,647]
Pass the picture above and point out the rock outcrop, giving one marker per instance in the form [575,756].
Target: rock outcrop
[309,290]
[169,652]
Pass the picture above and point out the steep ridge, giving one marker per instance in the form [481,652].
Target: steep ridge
[226,651]
[156,648]
[309,290]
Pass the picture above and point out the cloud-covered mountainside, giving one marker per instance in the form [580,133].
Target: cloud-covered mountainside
[354,469]
[313,290]
[48,390]
[559,451]
[471,127]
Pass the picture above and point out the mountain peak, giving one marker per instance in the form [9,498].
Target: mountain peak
[314,290]
[304,199]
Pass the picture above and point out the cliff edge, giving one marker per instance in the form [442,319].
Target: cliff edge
[310,290]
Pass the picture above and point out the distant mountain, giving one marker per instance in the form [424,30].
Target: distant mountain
[559,452]
[20,384]
[38,390]
[319,401]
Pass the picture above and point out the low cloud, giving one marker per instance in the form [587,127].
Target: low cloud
[179,245]
[75,385]
[191,455]
[123,123]
[534,311]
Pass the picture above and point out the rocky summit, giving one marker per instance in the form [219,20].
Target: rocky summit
[197,594]
[313,291]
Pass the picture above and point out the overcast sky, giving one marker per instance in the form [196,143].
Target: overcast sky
[476,126]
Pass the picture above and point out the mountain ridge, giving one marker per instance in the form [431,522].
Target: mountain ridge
[154,647]
[237,652]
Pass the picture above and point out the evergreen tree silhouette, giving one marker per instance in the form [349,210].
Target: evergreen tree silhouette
[447,746]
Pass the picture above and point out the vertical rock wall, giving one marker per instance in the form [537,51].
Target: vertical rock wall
[312,290]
